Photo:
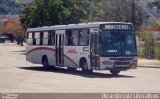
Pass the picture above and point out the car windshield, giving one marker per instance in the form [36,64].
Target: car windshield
[118,43]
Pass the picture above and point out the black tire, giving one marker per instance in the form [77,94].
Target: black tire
[71,68]
[115,72]
[85,67]
[45,63]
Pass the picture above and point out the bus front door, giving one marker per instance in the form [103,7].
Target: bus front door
[95,51]
[59,49]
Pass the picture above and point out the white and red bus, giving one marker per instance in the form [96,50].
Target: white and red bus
[89,46]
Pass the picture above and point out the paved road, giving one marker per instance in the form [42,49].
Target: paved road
[17,75]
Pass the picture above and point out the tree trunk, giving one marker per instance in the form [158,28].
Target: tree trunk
[18,41]
[21,43]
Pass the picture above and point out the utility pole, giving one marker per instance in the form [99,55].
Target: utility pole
[132,12]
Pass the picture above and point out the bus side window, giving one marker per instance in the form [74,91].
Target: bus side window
[74,37]
[51,38]
[45,38]
[37,38]
[68,40]
[84,37]
[29,35]
[30,39]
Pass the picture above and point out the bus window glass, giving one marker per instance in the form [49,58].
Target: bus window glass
[37,35]
[128,43]
[84,39]
[68,38]
[30,35]
[30,39]
[75,33]
[74,37]
[118,43]
[37,38]
[75,41]
[45,35]
[45,38]
[51,38]
[84,33]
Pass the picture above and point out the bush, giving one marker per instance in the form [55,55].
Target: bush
[157,50]
[147,50]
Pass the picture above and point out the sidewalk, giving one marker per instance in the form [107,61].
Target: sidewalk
[146,63]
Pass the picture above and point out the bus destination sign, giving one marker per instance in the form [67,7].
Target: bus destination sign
[118,26]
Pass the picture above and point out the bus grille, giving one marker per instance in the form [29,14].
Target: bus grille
[121,59]
[122,68]
[122,63]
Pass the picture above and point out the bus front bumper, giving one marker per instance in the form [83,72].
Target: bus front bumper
[109,64]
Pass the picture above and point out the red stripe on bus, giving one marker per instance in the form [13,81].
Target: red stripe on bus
[40,48]
[70,60]
[51,49]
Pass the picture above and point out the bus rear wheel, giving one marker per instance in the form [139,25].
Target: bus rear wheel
[85,69]
[115,72]
[45,63]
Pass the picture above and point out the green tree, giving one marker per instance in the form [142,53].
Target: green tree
[55,12]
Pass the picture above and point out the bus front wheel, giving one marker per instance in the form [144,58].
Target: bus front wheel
[115,72]
[45,63]
[84,66]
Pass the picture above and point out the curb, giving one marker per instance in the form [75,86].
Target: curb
[150,66]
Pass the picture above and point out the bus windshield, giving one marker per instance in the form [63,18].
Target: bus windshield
[118,43]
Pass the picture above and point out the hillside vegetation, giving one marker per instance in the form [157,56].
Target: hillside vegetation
[12,6]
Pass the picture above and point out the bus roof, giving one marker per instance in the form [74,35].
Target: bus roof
[73,26]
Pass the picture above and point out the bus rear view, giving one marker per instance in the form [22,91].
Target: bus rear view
[117,48]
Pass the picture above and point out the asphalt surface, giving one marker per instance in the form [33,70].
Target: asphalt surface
[17,75]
